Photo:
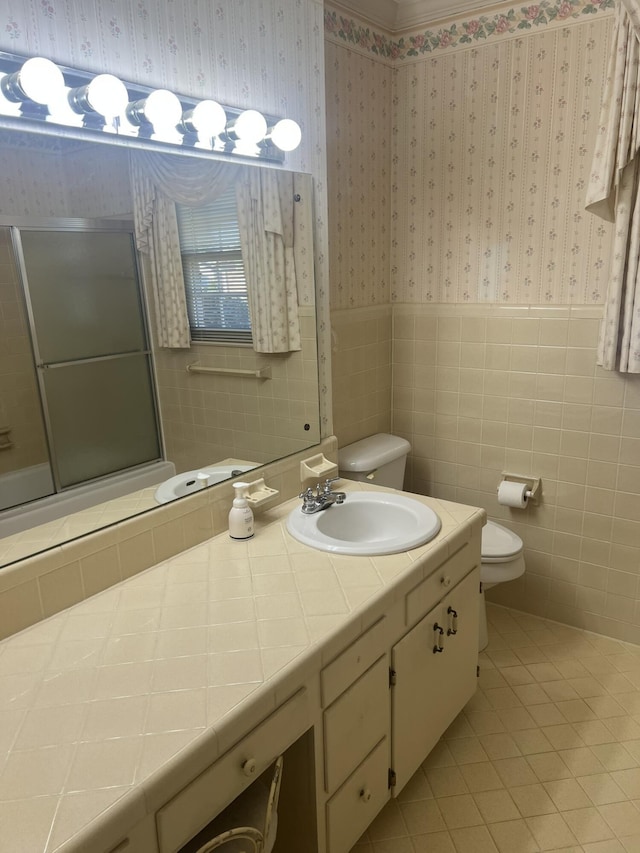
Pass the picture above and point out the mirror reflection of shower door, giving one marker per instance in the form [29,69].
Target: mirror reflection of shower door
[91,351]
[25,472]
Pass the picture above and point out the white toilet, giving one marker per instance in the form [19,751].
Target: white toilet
[382,458]
[378,459]
[502,560]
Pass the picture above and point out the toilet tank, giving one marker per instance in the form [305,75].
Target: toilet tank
[378,459]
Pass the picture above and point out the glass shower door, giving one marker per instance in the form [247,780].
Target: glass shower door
[91,351]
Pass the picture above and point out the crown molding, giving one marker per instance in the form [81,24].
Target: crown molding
[398,15]
[382,13]
[412,14]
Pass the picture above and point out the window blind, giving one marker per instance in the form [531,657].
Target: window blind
[214,278]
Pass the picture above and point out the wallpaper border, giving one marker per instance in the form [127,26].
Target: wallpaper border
[460,32]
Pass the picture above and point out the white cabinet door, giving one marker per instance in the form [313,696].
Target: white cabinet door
[433,686]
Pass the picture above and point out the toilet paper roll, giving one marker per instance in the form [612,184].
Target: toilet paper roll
[513,494]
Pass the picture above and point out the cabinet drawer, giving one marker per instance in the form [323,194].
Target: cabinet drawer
[185,815]
[432,589]
[140,839]
[355,805]
[355,723]
[348,666]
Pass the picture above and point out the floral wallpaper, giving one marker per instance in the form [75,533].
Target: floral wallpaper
[490,150]
[346,30]
[507,21]
[44,176]
[496,143]
[359,116]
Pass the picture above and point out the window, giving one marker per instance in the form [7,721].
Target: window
[213,271]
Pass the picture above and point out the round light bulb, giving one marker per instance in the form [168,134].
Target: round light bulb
[250,127]
[162,109]
[106,95]
[286,134]
[207,118]
[40,79]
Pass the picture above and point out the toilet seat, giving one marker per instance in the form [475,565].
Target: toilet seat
[499,545]
[502,557]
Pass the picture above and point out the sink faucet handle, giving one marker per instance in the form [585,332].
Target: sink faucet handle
[327,484]
[308,499]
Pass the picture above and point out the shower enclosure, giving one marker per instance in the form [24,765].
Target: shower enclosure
[90,347]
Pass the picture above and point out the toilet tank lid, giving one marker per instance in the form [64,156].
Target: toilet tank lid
[372,452]
[498,541]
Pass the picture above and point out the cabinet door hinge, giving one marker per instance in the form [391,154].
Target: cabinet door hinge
[477,672]
[392,778]
[392,677]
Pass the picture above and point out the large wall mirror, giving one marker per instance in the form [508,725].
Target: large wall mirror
[95,413]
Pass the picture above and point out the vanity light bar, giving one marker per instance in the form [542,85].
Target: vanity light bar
[39,93]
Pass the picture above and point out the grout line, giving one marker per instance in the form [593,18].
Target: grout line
[562,782]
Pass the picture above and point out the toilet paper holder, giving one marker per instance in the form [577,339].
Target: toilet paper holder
[533,485]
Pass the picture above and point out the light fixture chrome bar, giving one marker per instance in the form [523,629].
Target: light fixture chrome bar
[84,105]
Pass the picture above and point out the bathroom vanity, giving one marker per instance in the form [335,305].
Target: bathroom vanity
[168,694]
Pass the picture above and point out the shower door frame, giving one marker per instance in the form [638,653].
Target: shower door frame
[77,224]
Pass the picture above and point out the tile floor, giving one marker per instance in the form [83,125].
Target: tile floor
[546,756]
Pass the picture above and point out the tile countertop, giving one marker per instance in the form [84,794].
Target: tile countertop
[112,706]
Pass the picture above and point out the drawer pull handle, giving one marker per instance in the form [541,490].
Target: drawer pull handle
[365,795]
[445,580]
[438,631]
[453,621]
[249,767]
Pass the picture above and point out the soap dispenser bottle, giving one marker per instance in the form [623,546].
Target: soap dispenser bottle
[240,515]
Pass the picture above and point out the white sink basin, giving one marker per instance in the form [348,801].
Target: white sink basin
[367,523]
[191,481]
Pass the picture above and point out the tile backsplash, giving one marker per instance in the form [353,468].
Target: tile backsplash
[34,588]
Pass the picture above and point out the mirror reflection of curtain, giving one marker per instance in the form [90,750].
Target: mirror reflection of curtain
[614,192]
[266,219]
[265,214]
[158,182]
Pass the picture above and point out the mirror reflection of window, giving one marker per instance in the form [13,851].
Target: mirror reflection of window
[213,270]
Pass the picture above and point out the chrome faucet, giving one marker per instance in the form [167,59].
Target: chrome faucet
[323,497]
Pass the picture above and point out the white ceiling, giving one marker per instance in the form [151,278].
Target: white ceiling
[396,15]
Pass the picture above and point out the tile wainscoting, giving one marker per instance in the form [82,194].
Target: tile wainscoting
[483,389]
[361,368]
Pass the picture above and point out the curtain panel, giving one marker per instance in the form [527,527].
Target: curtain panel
[266,219]
[613,192]
[159,181]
